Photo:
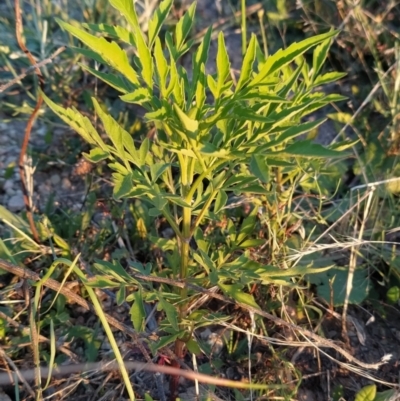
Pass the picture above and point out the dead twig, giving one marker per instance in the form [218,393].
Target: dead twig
[29,374]
[24,147]
[32,68]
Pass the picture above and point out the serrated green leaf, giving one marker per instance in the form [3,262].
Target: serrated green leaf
[145,58]
[319,56]
[220,201]
[188,123]
[157,169]
[184,26]
[170,311]
[199,61]
[177,200]
[114,56]
[144,150]
[156,22]
[137,311]
[161,67]
[81,124]
[258,166]
[223,64]
[138,96]
[123,185]
[248,61]
[127,9]
[110,79]
[284,57]
[117,32]
[112,128]
[120,295]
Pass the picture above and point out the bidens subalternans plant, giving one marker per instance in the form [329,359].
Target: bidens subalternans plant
[216,135]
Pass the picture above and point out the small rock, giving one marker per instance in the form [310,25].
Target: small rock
[55,179]
[16,203]
[10,191]
[8,184]
[66,183]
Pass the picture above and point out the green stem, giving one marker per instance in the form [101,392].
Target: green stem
[244,28]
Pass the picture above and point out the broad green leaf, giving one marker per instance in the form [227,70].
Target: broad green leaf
[188,123]
[223,64]
[158,169]
[367,393]
[220,201]
[156,22]
[170,311]
[193,347]
[248,61]
[145,58]
[309,149]
[112,128]
[123,185]
[115,31]
[81,124]
[144,150]
[110,79]
[159,202]
[258,166]
[96,155]
[109,51]
[138,96]
[112,269]
[121,295]
[393,294]
[127,9]
[284,57]
[235,291]
[137,312]
[184,26]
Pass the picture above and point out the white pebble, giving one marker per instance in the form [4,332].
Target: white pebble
[16,203]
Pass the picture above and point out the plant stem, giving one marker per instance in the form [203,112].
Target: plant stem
[244,28]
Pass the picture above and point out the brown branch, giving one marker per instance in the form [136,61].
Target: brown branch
[29,374]
[24,147]
[32,68]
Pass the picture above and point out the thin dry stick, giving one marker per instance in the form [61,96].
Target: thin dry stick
[21,376]
[353,263]
[31,69]
[43,339]
[24,147]
[29,374]
[73,297]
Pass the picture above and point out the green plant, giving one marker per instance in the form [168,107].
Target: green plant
[216,135]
